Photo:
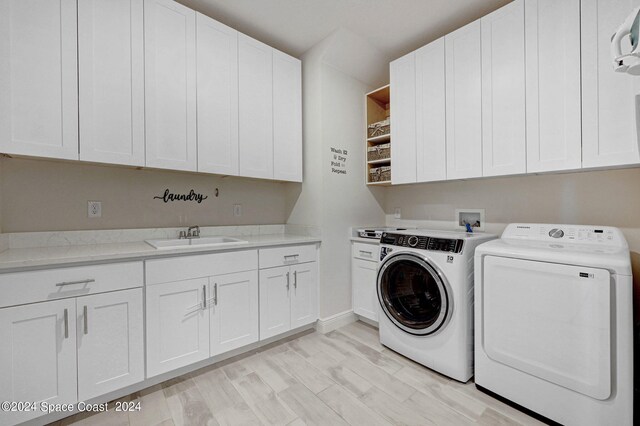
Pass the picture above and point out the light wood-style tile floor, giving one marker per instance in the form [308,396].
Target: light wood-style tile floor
[342,378]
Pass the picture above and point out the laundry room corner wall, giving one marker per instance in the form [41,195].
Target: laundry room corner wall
[337,73]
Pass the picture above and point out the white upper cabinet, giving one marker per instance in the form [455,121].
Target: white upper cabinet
[37,356]
[234,311]
[403,119]
[464,105]
[287,117]
[609,99]
[255,78]
[170,85]
[39,78]
[431,138]
[503,91]
[111,81]
[217,69]
[552,39]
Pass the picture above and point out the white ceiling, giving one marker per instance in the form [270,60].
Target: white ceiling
[394,26]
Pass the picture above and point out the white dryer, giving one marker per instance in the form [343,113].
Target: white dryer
[425,290]
[553,317]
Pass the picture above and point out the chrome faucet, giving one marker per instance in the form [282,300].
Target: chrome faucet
[193,232]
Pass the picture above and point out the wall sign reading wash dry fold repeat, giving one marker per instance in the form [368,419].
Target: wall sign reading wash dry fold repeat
[191,196]
[338,161]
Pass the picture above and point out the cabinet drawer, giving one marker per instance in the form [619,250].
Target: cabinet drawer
[36,286]
[366,251]
[205,265]
[281,256]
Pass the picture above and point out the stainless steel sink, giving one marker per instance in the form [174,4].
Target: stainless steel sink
[174,243]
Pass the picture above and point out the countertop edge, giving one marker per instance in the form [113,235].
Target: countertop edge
[23,265]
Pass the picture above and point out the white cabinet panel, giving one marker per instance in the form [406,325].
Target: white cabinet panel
[552,37]
[431,138]
[275,306]
[609,99]
[304,294]
[37,355]
[287,117]
[217,69]
[255,79]
[403,119]
[39,78]
[234,311]
[111,81]
[365,296]
[110,342]
[464,105]
[177,325]
[503,91]
[170,85]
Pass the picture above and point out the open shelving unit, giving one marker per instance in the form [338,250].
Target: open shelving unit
[377,110]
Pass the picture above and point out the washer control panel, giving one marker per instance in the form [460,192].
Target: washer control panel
[577,234]
[449,245]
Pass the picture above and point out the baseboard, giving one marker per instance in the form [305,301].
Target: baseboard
[372,323]
[326,325]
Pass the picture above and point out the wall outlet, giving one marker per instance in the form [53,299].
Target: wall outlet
[397,213]
[237,210]
[95,209]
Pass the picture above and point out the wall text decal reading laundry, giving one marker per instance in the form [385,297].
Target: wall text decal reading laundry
[191,196]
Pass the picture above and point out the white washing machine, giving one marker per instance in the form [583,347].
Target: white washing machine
[553,317]
[425,290]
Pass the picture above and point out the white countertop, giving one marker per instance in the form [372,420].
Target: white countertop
[41,257]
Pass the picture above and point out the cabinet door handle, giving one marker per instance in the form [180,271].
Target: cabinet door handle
[85,314]
[215,294]
[90,280]
[66,323]
[368,253]
[288,281]
[288,257]
[295,279]
[204,297]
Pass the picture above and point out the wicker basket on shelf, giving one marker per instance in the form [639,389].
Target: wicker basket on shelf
[380,128]
[380,174]
[379,152]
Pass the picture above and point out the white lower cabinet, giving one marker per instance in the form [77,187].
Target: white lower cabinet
[177,325]
[288,298]
[365,297]
[110,339]
[234,311]
[37,356]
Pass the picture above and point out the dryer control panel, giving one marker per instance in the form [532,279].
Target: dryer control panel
[577,234]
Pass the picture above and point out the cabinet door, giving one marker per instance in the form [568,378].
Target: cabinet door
[39,78]
[275,308]
[304,294]
[609,99]
[177,325]
[37,356]
[403,119]
[255,79]
[365,296]
[111,81]
[287,117]
[234,311]
[217,97]
[504,142]
[552,38]
[110,342]
[464,105]
[170,85]
[431,137]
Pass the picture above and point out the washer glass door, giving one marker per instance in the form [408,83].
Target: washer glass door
[413,294]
